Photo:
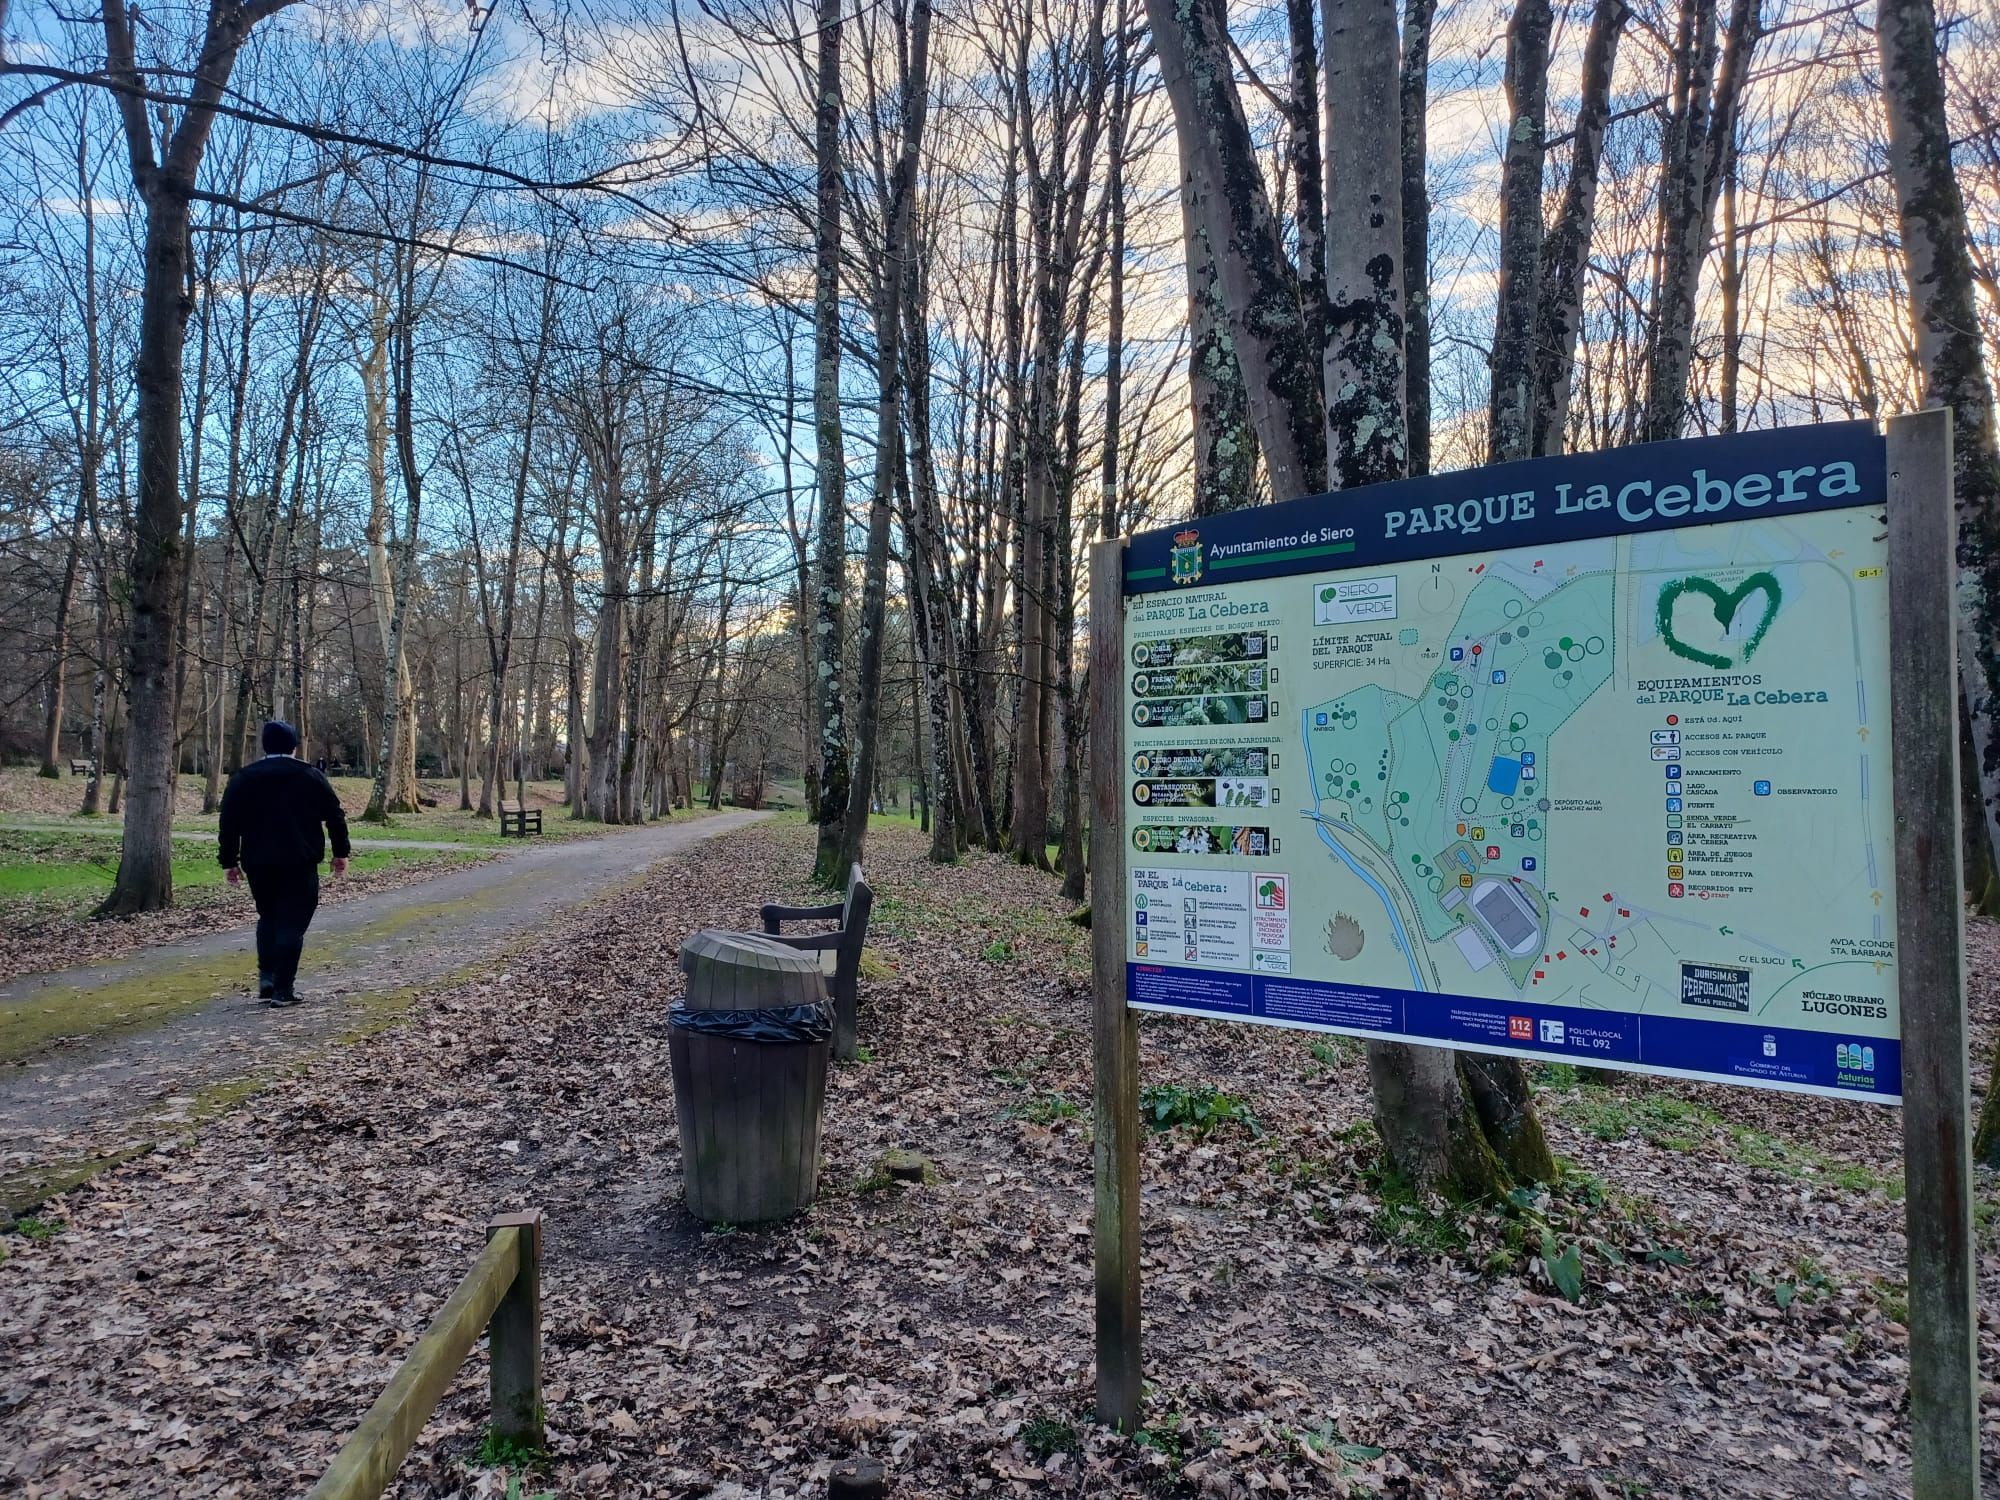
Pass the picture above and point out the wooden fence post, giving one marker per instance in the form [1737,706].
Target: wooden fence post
[516,1380]
[1116,1073]
[1930,959]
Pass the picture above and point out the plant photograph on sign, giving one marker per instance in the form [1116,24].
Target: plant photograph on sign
[775,749]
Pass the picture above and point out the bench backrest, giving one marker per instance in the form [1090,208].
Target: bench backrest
[854,910]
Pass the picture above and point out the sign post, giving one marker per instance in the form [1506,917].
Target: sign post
[1116,1071]
[1579,758]
[1930,961]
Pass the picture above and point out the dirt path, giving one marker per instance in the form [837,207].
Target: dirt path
[174,1032]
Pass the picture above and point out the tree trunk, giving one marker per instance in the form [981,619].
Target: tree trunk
[1701,130]
[59,645]
[1259,290]
[1945,317]
[1302,154]
[1732,300]
[396,767]
[94,746]
[500,642]
[1114,297]
[145,880]
[1414,91]
[607,675]
[212,680]
[1509,432]
[899,230]
[576,748]
[399,737]
[1466,1125]
[1566,251]
[1225,442]
[929,571]
[830,582]
[1364,370]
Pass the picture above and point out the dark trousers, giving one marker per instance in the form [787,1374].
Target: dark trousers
[286,897]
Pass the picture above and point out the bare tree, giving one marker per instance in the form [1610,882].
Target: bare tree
[163,173]
[830,745]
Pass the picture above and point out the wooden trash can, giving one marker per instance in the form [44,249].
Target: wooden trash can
[749,1044]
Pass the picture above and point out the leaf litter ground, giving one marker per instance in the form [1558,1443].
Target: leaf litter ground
[213,1319]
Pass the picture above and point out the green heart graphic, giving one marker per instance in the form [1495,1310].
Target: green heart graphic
[1725,603]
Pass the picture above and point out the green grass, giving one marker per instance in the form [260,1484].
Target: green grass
[1414,1220]
[1893,1297]
[78,868]
[445,823]
[1044,1109]
[1667,1120]
[1331,1051]
[1045,1437]
[29,1188]
[496,1450]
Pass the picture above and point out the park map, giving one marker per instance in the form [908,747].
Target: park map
[1612,799]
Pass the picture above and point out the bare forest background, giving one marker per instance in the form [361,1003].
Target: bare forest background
[677,402]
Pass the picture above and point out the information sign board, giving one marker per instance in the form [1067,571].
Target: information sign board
[1581,758]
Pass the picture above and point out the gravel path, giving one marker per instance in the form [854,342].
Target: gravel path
[97,1095]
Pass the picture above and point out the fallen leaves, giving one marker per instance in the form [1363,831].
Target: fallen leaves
[216,1318]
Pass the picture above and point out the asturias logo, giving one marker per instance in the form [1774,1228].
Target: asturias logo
[1186,556]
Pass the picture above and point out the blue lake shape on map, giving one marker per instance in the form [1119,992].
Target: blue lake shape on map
[1504,778]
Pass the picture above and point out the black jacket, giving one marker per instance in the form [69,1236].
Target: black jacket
[272,813]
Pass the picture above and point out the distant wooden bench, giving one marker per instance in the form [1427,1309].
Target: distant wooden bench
[79,766]
[519,819]
[839,950]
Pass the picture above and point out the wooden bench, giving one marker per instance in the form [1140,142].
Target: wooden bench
[839,950]
[79,766]
[519,818]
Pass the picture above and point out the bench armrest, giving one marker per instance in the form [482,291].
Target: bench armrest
[773,915]
[809,942]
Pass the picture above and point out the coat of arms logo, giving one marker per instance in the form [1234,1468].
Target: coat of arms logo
[1186,556]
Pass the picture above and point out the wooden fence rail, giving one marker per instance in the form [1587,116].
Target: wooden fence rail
[503,1290]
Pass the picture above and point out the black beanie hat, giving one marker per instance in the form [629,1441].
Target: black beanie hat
[279,737]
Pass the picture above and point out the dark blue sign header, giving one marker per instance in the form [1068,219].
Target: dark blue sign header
[1538,501]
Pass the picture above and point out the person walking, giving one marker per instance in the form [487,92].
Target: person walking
[273,814]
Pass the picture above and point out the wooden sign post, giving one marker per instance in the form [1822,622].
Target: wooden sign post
[1930,959]
[1116,1071]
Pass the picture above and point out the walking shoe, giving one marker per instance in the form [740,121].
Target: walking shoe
[266,986]
[282,1002]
